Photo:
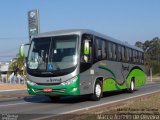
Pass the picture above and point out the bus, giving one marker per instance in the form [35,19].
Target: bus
[81,62]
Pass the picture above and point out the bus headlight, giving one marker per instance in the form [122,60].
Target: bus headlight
[31,83]
[69,81]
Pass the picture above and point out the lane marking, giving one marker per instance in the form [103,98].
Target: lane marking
[19,103]
[12,90]
[13,104]
[94,106]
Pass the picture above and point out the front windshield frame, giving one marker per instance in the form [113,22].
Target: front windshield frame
[57,72]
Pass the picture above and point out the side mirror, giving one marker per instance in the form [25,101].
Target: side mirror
[22,50]
[86,57]
[86,47]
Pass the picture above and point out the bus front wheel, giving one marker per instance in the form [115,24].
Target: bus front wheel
[97,91]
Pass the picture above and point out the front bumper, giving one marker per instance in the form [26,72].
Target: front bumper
[57,90]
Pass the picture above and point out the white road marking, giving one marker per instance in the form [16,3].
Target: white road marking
[18,103]
[12,90]
[13,104]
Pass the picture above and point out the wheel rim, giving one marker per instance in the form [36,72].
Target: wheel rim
[132,85]
[98,90]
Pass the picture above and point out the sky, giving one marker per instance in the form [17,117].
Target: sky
[125,20]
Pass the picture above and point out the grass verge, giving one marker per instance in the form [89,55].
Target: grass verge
[142,108]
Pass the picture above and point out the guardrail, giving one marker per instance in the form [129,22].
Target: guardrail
[153,79]
[12,80]
[21,79]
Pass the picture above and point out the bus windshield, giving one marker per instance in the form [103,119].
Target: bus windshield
[52,56]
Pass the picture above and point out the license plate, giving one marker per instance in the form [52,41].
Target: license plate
[47,90]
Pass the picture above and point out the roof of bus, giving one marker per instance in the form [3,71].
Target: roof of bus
[81,31]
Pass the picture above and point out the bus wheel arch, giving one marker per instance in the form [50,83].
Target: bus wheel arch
[97,89]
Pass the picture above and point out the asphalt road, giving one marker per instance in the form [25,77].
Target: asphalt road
[14,92]
[31,107]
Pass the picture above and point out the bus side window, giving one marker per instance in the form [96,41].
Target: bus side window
[114,52]
[95,50]
[139,57]
[98,49]
[142,58]
[119,53]
[123,57]
[134,56]
[110,50]
[130,55]
[106,49]
[104,53]
[126,54]
[101,48]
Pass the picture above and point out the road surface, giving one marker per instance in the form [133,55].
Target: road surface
[31,107]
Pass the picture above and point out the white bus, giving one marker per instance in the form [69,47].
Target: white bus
[80,61]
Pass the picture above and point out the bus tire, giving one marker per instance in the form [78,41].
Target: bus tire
[97,91]
[132,86]
[54,98]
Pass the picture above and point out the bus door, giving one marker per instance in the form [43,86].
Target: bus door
[86,61]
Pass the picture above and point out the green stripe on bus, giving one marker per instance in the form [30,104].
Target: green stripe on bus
[109,70]
[110,83]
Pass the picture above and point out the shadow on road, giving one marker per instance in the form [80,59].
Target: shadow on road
[69,99]
[45,99]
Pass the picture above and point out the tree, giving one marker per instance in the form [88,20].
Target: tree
[152,53]
[17,66]
[139,44]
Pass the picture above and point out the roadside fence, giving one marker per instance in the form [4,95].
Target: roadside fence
[12,79]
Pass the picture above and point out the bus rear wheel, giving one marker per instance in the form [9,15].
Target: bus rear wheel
[97,91]
[132,86]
